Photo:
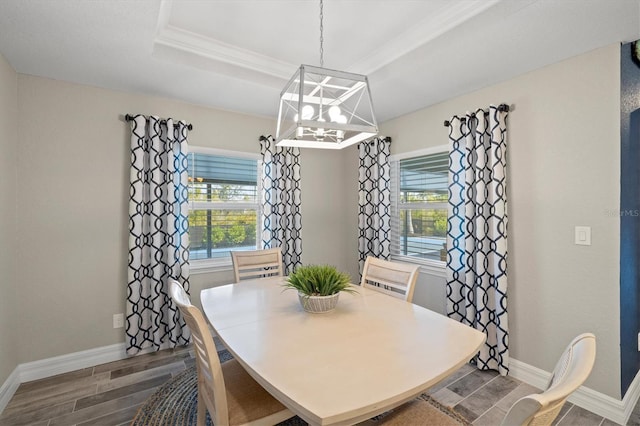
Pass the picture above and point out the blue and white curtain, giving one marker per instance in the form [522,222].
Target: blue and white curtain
[477,231]
[281,216]
[158,233]
[374,199]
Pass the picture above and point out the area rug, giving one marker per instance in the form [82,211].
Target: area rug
[176,403]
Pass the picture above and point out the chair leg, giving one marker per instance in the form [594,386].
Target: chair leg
[202,412]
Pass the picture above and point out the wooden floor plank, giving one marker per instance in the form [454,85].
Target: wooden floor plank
[121,417]
[116,393]
[25,417]
[144,358]
[36,394]
[172,369]
[95,411]
[51,400]
[54,380]
[148,364]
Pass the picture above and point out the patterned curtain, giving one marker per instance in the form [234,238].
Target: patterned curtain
[158,233]
[477,231]
[281,217]
[374,205]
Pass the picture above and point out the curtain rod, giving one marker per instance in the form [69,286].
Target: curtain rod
[501,107]
[129,117]
[386,139]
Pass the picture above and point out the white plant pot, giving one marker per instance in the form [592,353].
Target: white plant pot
[318,304]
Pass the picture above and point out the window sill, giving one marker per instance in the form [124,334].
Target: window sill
[206,267]
[431,267]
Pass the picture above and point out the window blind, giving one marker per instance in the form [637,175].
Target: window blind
[424,178]
[216,178]
[224,205]
[419,196]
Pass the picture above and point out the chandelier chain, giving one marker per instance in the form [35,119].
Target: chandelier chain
[321,36]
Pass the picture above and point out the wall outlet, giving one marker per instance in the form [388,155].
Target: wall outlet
[118,321]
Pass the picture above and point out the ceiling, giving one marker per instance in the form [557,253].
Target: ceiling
[238,54]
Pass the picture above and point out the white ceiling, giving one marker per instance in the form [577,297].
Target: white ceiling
[238,54]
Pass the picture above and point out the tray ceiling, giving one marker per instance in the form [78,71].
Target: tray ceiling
[238,54]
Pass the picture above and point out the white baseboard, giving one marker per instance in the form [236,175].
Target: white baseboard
[57,365]
[74,361]
[8,388]
[596,402]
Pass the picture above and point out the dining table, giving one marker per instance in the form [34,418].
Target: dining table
[371,354]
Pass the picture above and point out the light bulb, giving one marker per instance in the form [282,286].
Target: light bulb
[307,112]
[334,113]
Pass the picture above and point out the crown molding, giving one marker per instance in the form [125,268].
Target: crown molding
[420,34]
[195,44]
[186,42]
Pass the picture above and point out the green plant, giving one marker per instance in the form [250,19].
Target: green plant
[318,280]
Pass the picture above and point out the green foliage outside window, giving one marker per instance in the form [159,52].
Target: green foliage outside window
[225,227]
[416,223]
[423,222]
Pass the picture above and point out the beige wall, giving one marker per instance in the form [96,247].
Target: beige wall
[72,253]
[350,164]
[8,235]
[563,170]
[324,230]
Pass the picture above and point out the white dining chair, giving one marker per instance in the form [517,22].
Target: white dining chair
[226,390]
[570,372]
[541,409]
[249,264]
[392,278]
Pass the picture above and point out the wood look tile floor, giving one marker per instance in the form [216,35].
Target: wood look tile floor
[110,394]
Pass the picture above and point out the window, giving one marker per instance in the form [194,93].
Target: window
[224,204]
[419,195]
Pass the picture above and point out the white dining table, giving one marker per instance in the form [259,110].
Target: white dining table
[372,353]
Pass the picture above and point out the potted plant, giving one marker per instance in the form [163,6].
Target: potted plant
[318,286]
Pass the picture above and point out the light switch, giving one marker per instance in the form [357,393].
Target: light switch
[583,235]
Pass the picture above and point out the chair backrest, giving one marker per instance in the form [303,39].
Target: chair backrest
[392,278]
[570,372]
[257,263]
[211,385]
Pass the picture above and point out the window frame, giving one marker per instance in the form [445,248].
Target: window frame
[202,266]
[435,267]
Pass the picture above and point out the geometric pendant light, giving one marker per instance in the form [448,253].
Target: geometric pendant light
[323,108]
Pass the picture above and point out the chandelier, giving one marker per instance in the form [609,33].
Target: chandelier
[323,108]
